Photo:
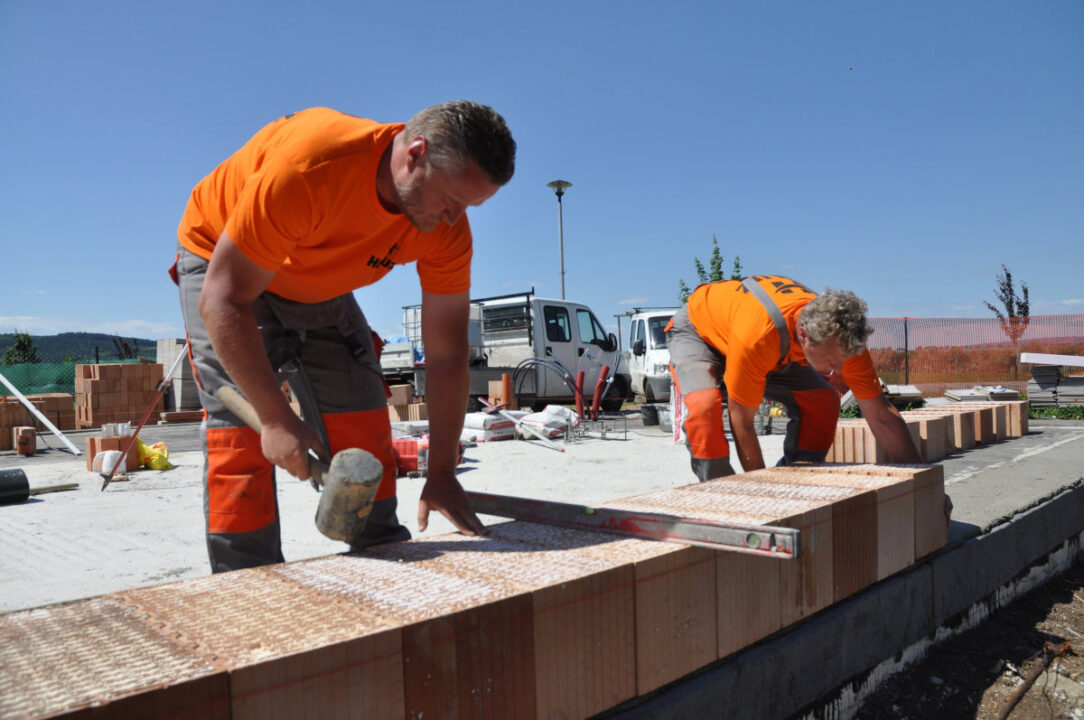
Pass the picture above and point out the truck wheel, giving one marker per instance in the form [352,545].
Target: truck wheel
[649,394]
[616,397]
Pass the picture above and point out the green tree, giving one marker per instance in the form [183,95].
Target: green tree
[713,273]
[22,351]
[1016,317]
[125,350]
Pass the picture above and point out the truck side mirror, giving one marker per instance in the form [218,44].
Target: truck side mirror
[610,345]
[638,347]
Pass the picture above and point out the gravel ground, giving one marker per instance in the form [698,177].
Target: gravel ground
[1039,637]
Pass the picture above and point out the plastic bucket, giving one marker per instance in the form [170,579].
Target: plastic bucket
[650,414]
[106,459]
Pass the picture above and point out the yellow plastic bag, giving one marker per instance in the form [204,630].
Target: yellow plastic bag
[155,457]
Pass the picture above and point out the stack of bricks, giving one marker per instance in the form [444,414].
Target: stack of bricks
[855,442]
[115,392]
[98,444]
[14,415]
[936,430]
[401,407]
[978,423]
[59,408]
[527,621]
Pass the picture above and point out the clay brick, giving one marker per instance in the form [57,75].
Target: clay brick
[102,658]
[96,444]
[805,583]
[398,413]
[674,588]
[288,650]
[960,429]
[927,492]
[468,645]
[581,610]
[401,394]
[24,439]
[932,434]
[854,521]
[417,411]
[999,412]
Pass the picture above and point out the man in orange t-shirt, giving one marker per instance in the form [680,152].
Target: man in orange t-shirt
[767,336]
[272,244]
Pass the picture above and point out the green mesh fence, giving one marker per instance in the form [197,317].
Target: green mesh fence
[44,377]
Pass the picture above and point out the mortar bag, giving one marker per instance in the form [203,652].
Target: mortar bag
[155,457]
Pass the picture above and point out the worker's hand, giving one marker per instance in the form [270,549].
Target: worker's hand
[442,492]
[287,443]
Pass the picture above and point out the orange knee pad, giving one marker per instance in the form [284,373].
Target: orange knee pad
[369,430]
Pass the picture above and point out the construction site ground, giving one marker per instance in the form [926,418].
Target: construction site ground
[148,528]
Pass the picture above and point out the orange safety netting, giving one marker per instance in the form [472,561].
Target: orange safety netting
[936,354]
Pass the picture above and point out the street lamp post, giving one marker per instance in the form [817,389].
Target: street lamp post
[559,187]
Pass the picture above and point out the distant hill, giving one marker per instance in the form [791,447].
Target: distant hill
[81,347]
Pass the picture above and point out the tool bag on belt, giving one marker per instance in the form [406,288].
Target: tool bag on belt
[298,319]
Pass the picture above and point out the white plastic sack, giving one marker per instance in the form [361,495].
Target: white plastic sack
[486,421]
[552,422]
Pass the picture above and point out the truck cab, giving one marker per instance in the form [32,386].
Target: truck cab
[542,342]
[532,328]
[647,357]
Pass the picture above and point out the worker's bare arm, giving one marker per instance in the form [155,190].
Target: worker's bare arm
[233,282]
[447,386]
[890,430]
[745,435]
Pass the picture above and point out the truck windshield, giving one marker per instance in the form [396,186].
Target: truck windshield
[656,326]
[590,329]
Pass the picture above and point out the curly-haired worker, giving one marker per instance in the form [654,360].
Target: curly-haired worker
[768,336]
[272,244]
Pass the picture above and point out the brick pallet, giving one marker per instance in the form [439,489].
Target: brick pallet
[116,392]
[529,621]
[12,415]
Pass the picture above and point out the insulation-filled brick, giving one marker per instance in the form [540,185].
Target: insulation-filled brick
[674,586]
[467,643]
[854,521]
[926,485]
[102,658]
[805,583]
[581,610]
[289,651]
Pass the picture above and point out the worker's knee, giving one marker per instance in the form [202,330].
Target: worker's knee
[818,411]
[704,424]
[369,430]
[240,482]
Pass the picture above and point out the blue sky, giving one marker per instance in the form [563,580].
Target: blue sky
[903,150]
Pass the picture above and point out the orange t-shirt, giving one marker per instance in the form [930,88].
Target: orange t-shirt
[300,199]
[734,322]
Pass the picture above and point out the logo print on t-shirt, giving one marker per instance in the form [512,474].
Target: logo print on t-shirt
[384,262]
[782,285]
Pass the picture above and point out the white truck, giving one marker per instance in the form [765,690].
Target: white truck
[647,358]
[542,343]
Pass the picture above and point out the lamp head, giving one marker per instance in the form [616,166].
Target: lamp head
[559,187]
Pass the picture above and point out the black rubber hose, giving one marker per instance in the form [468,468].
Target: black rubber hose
[14,487]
